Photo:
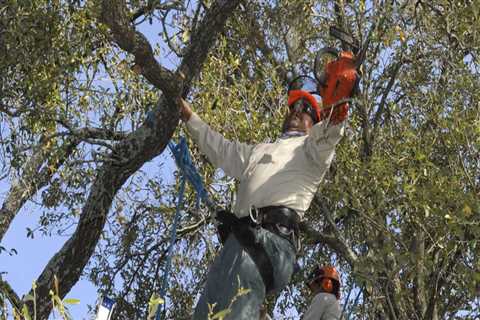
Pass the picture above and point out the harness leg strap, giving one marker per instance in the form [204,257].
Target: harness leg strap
[245,234]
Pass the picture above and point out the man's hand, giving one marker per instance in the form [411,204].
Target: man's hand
[185,109]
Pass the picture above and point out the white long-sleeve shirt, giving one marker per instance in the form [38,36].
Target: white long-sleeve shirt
[324,306]
[286,172]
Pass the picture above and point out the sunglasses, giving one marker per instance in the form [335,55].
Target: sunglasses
[304,106]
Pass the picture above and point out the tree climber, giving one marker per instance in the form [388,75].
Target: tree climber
[324,283]
[277,183]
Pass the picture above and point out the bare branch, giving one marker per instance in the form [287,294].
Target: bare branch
[386,92]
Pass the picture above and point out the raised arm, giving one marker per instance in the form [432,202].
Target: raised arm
[230,156]
[321,141]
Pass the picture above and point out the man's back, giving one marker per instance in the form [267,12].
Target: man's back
[324,306]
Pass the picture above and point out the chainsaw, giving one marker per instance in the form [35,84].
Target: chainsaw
[338,73]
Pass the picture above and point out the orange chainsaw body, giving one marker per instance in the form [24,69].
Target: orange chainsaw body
[340,79]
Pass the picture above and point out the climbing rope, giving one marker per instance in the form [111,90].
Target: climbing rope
[184,163]
[347,300]
[356,301]
[188,172]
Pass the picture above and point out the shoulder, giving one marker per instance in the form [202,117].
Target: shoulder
[329,305]
[327,300]
[323,296]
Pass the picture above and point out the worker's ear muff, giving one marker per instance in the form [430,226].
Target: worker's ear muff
[327,285]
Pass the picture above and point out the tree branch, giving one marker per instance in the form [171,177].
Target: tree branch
[115,16]
[203,38]
[155,5]
[33,178]
[314,236]
[336,241]
[91,133]
[418,247]
[388,88]
[11,294]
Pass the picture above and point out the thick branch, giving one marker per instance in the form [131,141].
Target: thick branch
[314,236]
[115,15]
[141,146]
[92,133]
[418,247]
[204,37]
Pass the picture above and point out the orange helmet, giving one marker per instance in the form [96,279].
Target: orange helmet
[305,87]
[327,278]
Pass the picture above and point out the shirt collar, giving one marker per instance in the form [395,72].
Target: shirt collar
[291,134]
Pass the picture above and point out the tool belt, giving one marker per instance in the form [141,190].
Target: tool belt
[280,220]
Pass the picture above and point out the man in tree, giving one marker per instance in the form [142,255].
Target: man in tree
[324,283]
[277,183]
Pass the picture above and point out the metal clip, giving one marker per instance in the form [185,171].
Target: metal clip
[255,220]
[284,230]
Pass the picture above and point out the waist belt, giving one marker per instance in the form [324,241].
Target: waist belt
[279,220]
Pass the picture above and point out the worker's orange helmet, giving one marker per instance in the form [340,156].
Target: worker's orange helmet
[305,87]
[327,278]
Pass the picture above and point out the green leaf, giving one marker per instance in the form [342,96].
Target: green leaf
[25,313]
[71,301]
[221,315]
[28,297]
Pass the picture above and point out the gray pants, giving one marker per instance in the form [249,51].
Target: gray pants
[234,269]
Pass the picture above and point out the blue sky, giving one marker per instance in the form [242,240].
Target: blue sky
[23,268]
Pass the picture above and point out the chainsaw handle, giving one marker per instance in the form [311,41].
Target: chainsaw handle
[317,71]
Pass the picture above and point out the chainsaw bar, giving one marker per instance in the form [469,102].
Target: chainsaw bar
[344,38]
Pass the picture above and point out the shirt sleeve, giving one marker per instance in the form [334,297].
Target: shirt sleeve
[231,157]
[321,141]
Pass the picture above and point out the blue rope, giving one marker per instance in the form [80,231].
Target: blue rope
[355,302]
[346,301]
[184,163]
[188,172]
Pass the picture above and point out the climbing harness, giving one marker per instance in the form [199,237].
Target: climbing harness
[279,220]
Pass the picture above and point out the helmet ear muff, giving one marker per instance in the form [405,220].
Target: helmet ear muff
[327,285]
